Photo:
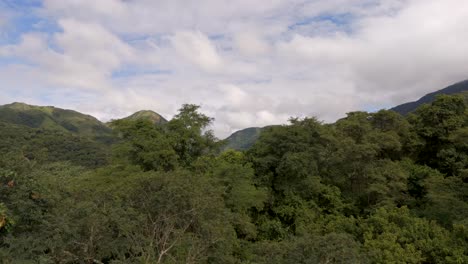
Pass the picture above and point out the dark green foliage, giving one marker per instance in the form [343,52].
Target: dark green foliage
[189,135]
[371,188]
[163,147]
[441,126]
[43,145]
[144,144]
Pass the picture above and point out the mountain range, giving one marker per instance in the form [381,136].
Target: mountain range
[81,125]
[243,139]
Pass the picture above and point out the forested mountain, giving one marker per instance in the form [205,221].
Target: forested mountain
[147,115]
[243,139]
[406,108]
[371,188]
[51,145]
[52,118]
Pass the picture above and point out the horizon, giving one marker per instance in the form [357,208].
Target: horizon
[247,64]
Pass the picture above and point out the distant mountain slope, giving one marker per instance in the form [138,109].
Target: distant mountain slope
[147,115]
[52,118]
[51,145]
[243,139]
[407,108]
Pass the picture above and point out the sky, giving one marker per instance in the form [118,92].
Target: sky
[247,63]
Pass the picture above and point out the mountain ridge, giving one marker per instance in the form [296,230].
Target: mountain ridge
[66,120]
[72,121]
[54,118]
[409,107]
[243,139]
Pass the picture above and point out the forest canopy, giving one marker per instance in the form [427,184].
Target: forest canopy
[370,188]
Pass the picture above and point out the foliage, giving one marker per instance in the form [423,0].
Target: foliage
[51,118]
[370,188]
[44,146]
[243,139]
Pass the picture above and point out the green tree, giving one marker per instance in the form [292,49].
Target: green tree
[435,124]
[144,144]
[396,236]
[189,135]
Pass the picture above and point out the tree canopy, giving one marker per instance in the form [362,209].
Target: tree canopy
[371,188]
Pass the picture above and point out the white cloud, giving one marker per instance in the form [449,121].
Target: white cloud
[92,44]
[249,63]
[410,53]
[165,16]
[197,49]
[251,44]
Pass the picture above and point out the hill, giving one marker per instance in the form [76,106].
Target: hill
[147,115]
[407,108]
[243,139]
[49,145]
[57,119]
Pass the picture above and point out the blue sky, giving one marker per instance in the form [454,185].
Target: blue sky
[248,63]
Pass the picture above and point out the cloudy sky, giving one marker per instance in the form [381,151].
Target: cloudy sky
[246,62]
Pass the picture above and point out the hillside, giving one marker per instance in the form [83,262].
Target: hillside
[409,107]
[147,115]
[243,139]
[49,145]
[57,119]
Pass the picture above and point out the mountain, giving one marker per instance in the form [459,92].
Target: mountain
[147,115]
[57,119]
[407,108]
[51,145]
[243,139]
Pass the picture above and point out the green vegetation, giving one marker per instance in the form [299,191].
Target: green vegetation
[45,146]
[370,188]
[243,139]
[246,138]
[51,118]
[149,115]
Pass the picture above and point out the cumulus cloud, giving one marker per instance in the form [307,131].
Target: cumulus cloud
[415,48]
[247,63]
[92,44]
[198,49]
